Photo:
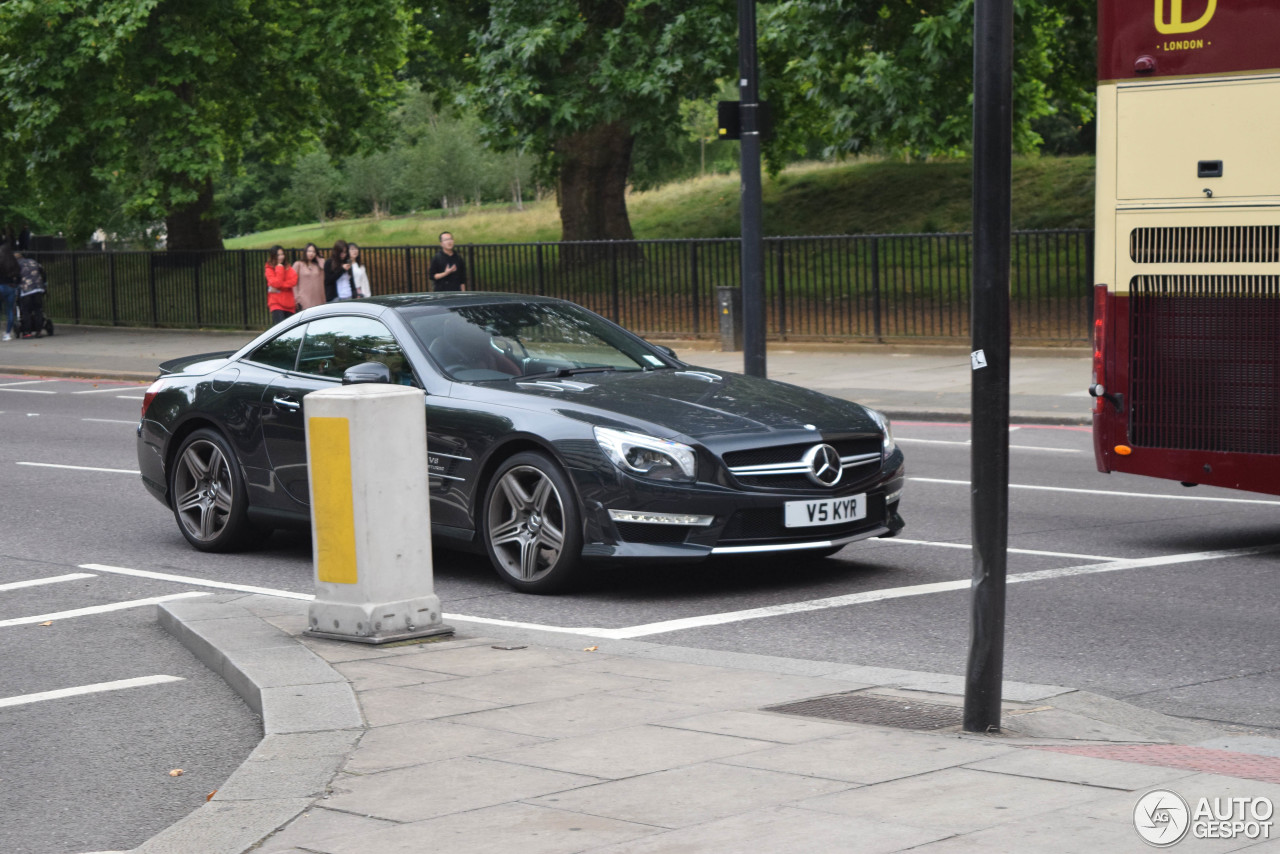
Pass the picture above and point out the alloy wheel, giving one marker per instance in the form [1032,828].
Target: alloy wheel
[204,490]
[526,523]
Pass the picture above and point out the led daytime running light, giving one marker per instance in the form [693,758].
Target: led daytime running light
[659,518]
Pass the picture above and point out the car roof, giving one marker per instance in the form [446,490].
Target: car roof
[455,298]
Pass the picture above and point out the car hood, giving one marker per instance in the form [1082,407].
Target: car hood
[700,403]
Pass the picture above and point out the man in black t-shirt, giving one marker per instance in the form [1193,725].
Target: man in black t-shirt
[447,271]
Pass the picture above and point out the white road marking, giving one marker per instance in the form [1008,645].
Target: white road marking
[906,542]
[79,468]
[28,390]
[1011,447]
[102,390]
[97,609]
[201,582]
[862,598]
[663,627]
[1106,493]
[96,688]
[25,382]
[36,582]
[110,421]
[131,397]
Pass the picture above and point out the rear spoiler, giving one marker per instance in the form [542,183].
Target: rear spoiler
[173,366]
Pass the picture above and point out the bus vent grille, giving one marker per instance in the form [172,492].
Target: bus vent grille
[1241,244]
[1204,370]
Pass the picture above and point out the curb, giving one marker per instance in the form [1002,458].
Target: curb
[310,719]
[80,373]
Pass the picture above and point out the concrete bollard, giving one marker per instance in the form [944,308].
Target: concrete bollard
[370,515]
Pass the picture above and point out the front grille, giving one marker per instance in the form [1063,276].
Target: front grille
[794,453]
[1241,244]
[1204,370]
[638,532]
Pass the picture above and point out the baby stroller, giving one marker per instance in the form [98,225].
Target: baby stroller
[30,318]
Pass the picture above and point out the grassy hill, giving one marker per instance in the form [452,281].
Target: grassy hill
[865,197]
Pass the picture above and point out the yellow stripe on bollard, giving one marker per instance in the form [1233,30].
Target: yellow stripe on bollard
[334,513]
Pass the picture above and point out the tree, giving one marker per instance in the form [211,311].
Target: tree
[151,101]
[898,77]
[580,81]
[313,186]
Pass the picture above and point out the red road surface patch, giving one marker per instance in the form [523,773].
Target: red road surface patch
[1229,763]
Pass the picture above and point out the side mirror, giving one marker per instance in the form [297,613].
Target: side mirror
[667,350]
[366,372]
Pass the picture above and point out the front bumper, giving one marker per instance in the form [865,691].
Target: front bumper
[742,522]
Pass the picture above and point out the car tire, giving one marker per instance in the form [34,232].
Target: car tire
[531,525]
[208,495]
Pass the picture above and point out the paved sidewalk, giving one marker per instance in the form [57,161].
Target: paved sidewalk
[542,742]
[1047,385]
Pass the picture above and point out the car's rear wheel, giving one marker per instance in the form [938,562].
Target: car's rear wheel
[531,525]
[207,493]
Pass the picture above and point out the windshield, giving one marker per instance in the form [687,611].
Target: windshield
[504,340]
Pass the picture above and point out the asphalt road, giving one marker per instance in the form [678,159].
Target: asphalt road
[1136,589]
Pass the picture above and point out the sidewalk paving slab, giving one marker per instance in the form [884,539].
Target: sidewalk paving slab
[458,744]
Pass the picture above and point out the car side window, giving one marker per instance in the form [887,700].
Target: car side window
[334,344]
[281,351]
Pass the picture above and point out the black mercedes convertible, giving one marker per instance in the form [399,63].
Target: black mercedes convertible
[555,439]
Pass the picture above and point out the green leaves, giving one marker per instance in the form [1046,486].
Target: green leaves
[145,101]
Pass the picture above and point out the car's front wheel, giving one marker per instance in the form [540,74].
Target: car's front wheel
[207,493]
[531,525]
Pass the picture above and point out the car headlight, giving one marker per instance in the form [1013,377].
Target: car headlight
[648,456]
[887,445]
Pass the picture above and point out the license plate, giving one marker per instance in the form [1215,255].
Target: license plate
[829,511]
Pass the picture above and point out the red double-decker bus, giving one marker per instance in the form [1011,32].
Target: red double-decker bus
[1187,302]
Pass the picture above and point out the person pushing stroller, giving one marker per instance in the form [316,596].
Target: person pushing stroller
[31,291]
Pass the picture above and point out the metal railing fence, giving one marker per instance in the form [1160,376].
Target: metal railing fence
[859,287]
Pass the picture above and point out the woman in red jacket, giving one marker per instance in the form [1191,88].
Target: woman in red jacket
[281,280]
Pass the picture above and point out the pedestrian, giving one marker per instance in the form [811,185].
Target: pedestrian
[10,281]
[310,290]
[337,273]
[281,283]
[31,319]
[359,276]
[447,270]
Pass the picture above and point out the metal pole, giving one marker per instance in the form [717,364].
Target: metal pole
[992,145]
[753,348]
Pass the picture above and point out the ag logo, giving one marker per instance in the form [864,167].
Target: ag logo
[1175,24]
[1161,818]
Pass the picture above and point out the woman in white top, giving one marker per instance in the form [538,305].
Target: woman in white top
[359,276]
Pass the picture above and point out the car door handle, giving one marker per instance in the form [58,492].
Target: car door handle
[286,403]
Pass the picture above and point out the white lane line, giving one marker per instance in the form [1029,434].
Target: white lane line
[36,582]
[200,582]
[1011,447]
[98,609]
[28,390]
[905,542]
[862,598]
[131,397]
[744,615]
[117,388]
[79,468]
[1106,493]
[96,688]
[110,421]
[24,382]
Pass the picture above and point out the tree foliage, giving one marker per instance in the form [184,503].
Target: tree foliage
[898,76]
[580,83]
[151,101]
